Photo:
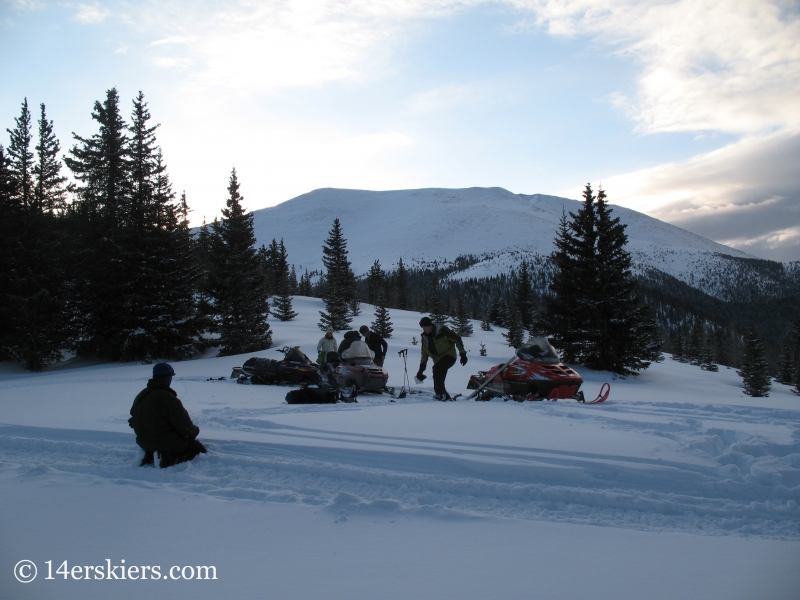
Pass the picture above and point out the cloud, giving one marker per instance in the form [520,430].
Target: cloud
[723,65]
[745,195]
[90,15]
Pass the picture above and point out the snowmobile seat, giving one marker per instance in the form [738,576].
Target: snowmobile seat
[332,358]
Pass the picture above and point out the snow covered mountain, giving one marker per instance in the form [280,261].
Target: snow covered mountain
[492,224]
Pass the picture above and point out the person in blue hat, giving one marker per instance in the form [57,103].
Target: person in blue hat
[161,422]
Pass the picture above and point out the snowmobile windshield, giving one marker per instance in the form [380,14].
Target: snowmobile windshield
[362,361]
[295,355]
[538,350]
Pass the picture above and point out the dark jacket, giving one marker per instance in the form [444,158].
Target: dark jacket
[445,342]
[160,421]
[377,344]
[349,338]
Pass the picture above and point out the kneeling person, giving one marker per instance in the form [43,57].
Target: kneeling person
[161,422]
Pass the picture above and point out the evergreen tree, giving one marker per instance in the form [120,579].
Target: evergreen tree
[236,280]
[516,332]
[523,296]
[36,324]
[569,306]
[485,325]
[707,356]
[754,372]
[436,304]
[282,302]
[461,324]
[339,282]
[482,350]
[401,293]
[102,268]
[786,371]
[305,288]
[375,282]
[696,344]
[594,313]
[496,315]
[382,325]
[722,346]
[679,352]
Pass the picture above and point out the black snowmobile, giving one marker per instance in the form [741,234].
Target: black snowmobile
[295,367]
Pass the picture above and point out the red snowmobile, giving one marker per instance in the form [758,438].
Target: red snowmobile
[534,373]
[355,369]
[295,367]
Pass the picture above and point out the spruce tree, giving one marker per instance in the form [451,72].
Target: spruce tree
[696,343]
[282,300]
[236,280]
[496,315]
[516,332]
[401,292]
[102,270]
[382,325]
[375,282]
[755,371]
[593,310]
[523,296]
[339,282]
[305,288]
[678,346]
[786,371]
[36,313]
[486,325]
[436,304]
[461,323]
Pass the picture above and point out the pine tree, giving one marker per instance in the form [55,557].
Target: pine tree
[593,311]
[401,292]
[523,296]
[236,280]
[496,315]
[102,269]
[461,324]
[282,302]
[486,325]
[305,288]
[786,371]
[696,343]
[516,332]
[36,305]
[679,346]
[482,350]
[339,282]
[382,325]
[436,304]
[375,282]
[754,372]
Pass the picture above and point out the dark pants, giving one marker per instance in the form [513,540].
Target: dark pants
[193,449]
[440,373]
[378,360]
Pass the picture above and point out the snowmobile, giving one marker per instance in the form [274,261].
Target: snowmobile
[534,373]
[355,369]
[295,367]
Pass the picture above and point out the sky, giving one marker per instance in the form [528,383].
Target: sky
[687,110]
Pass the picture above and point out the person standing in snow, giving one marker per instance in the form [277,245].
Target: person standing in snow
[326,344]
[349,338]
[376,343]
[161,422]
[440,344]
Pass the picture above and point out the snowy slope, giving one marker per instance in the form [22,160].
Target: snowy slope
[427,225]
[678,487]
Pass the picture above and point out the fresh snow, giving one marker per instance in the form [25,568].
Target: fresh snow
[678,486]
[425,225]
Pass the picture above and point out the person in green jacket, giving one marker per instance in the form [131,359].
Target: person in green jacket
[440,344]
[161,422]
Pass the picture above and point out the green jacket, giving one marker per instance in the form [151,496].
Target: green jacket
[445,341]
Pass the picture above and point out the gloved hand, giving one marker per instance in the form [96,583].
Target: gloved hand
[420,376]
[463,359]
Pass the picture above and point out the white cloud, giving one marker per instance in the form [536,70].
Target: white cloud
[746,195]
[724,65]
[91,14]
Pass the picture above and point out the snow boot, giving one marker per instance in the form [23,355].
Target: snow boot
[148,460]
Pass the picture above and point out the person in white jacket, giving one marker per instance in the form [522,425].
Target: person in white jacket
[326,344]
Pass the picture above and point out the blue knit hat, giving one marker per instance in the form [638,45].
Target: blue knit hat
[163,370]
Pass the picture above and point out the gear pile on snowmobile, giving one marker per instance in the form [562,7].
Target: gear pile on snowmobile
[295,367]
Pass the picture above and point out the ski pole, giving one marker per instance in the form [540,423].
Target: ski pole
[488,381]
